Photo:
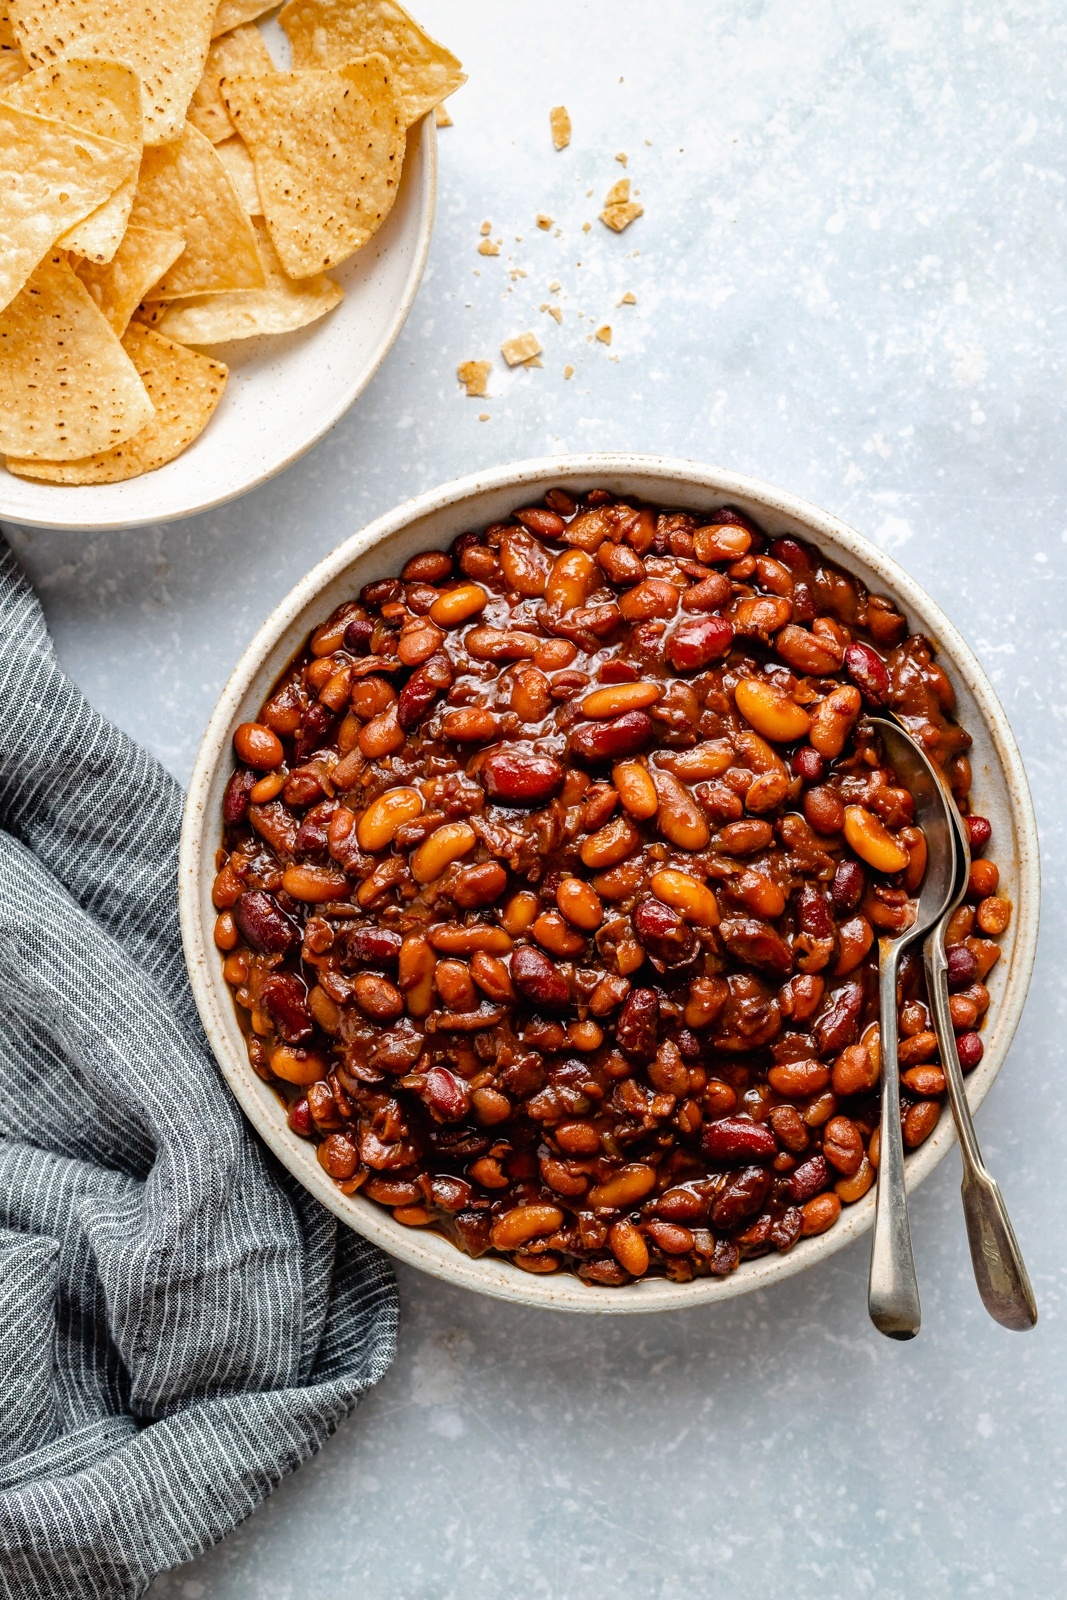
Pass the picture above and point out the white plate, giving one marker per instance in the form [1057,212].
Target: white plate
[1000,793]
[284,393]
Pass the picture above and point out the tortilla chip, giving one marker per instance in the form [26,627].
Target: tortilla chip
[51,176]
[12,65]
[474,376]
[521,347]
[327,33]
[185,387]
[233,13]
[619,210]
[184,188]
[442,117]
[67,388]
[140,261]
[328,148]
[166,44]
[105,98]
[7,32]
[560,123]
[278,308]
[233,153]
[242,50]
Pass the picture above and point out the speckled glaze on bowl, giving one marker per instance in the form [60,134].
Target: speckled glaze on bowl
[284,392]
[432,521]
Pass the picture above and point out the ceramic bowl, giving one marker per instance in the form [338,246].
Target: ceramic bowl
[431,521]
[283,392]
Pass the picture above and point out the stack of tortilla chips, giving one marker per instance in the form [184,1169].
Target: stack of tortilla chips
[163,185]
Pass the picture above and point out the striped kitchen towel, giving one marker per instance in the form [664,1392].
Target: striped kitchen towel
[180,1324]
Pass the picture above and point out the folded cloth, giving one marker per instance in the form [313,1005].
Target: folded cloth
[180,1323]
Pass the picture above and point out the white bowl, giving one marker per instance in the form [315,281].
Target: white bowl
[283,393]
[431,521]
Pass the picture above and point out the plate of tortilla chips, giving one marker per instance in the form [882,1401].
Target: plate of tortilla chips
[214,218]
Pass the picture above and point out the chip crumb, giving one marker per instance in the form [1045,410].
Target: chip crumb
[544,221]
[441,117]
[488,247]
[621,158]
[486,228]
[522,347]
[474,376]
[555,286]
[568,372]
[560,123]
[604,333]
[628,299]
[517,272]
[619,210]
[589,194]
[483,416]
[586,226]
[556,313]
[534,361]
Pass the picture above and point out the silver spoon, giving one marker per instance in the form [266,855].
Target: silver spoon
[999,1269]
[892,1290]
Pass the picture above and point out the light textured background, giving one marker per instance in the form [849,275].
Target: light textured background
[850,281]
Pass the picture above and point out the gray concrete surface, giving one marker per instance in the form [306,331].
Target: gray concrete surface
[849,281]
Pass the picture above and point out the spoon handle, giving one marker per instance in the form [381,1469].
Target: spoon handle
[892,1290]
[999,1269]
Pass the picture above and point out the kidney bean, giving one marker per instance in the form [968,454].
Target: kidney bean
[868,672]
[757,944]
[735,1141]
[742,1197]
[807,1180]
[664,934]
[637,1023]
[979,833]
[284,999]
[838,1023]
[263,924]
[235,799]
[520,779]
[422,689]
[813,913]
[696,642]
[538,979]
[970,1050]
[624,735]
[299,1117]
[846,890]
[808,764]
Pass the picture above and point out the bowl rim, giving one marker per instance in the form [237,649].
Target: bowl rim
[427,206]
[430,1252]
